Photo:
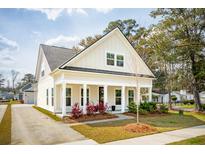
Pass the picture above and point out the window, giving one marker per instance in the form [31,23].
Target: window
[118,97]
[82,96]
[110,59]
[130,96]
[144,94]
[120,60]
[52,97]
[47,96]
[68,96]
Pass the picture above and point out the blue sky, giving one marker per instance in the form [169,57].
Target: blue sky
[22,30]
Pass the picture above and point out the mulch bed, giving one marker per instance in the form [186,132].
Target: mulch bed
[85,118]
[147,115]
[139,128]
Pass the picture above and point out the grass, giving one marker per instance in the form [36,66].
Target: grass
[112,131]
[5,127]
[199,140]
[187,106]
[48,113]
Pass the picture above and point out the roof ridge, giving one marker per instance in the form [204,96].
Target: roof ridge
[55,46]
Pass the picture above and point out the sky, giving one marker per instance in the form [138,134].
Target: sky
[22,30]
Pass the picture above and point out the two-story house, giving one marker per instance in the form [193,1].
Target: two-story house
[109,70]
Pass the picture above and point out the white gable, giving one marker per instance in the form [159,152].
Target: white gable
[42,64]
[114,42]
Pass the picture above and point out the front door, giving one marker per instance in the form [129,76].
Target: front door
[101,94]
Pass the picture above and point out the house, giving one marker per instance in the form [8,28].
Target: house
[202,97]
[109,71]
[28,94]
[180,95]
[6,95]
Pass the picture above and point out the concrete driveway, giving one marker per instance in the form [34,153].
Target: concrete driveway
[30,126]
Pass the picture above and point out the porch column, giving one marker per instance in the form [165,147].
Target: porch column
[105,94]
[63,99]
[150,94]
[54,97]
[84,98]
[123,99]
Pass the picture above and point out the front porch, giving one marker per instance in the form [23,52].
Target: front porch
[67,94]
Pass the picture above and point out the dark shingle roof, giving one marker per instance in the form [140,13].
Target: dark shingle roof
[83,69]
[57,55]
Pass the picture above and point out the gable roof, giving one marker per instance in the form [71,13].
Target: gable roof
[55,56]
[97,42]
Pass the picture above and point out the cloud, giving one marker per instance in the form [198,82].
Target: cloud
[103,10]
[78,11]
[51,14]
[63,41]
[7,45]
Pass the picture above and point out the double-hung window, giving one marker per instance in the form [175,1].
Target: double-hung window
[52,97]
[120,60]
[118,95]
[130,96]
[110,59]
[47,97]
[68,96]
[82,96]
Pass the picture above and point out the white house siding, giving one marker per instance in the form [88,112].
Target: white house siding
[28,97]
[45,82]
[96,57]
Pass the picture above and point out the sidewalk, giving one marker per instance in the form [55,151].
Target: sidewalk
[163,138]
[120,117]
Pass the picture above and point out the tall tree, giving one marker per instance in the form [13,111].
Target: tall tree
[28,78]
[1,80]
[187,26]
[14,75]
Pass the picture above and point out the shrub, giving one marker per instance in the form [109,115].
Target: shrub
[102,108]
[142,111]
[90,109]
[186,102]
[203,106]
[132,107]
[76,111]
[163,108]
[174,98]
[149,107]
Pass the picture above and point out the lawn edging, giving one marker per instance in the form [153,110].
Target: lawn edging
[5,127]
[48,113]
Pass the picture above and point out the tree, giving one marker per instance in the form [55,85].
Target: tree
[128,27]
[1,80]
[14,75]
[28,78]
[187,27]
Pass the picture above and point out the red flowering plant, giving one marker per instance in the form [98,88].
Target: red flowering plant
[76,111]
[90,109]
[102,108]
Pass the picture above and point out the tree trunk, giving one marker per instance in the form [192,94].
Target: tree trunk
[195,83]
[197,100]
[170,101]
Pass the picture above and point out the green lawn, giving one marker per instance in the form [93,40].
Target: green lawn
[5,127]
[187,106]
[112,131]
[200,140]
[48,113]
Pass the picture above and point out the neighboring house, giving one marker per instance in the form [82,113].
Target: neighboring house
[202,97]
[109,70]
[27,94]
[180,95]
[6,95]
